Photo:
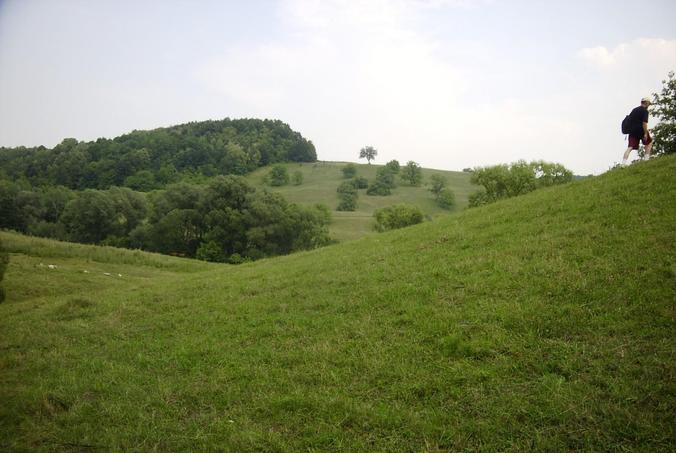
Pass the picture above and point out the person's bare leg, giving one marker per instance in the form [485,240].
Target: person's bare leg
[648,150]
[626,155]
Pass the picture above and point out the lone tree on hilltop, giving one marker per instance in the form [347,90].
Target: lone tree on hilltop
[369,153]
[664,108]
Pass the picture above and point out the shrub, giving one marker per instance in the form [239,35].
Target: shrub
[360,182]
[4,260]
[393,166]
[412,173]
[518,178]
[297,178]
[445,199]
[378,189]
[346,187]
[383,184]
[349,171]
[348,202]
[437,184]
[397,216]
[347,192]
[278,176]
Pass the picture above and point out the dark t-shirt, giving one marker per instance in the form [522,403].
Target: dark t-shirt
[637,117]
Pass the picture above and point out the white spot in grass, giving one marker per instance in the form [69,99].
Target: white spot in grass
[51,266]
[107,273]
[85,271]
[119,275]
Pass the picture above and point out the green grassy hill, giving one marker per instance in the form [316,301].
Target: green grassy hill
[540,323]
[321,179]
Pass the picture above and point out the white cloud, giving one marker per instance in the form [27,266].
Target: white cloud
[640,52]
[356,73]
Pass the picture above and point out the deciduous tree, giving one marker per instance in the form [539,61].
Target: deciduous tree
[369,153]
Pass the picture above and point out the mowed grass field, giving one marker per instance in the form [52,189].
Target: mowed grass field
[540,323]
[321,179]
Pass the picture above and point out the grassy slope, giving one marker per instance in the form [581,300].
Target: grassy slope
[321,180]
[539,323]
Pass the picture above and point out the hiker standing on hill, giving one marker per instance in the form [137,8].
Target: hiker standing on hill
[638,130]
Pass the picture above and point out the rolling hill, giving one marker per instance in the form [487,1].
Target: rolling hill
[321,179]
[539,323]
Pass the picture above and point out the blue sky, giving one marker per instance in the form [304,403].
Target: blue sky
[446,83]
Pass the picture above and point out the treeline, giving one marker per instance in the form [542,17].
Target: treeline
[226,220]
[147,160]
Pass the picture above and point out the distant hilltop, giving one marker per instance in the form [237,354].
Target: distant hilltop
[146,160]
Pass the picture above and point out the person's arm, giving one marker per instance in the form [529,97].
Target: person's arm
[645,130]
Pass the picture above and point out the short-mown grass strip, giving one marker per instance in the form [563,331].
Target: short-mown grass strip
[540,323]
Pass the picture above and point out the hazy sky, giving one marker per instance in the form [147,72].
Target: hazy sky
[446,83]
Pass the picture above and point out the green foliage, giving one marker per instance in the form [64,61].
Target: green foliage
[397,216]
[297,178]
[145,160]
[437,183]
[348,202]
[664,108]
[90,217]
[349,171]
[4,261]
[445,199]
[279,176]
[542,323]
[142,180]
[360,182]
[369,153]
[212,222]
[347,193]
[393,166]
[383,184]
[412,173]
[347,187]
[505,181]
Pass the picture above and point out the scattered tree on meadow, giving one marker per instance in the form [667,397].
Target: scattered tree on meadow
[347,193]
[437,183]
[369,153]
[349,171]
[4,260]
[397,216]
[393,166]
[444,197]
[505,181]
[278,176]
[360,182]
[383,184]
[664,108]
[412,173]
[297,178]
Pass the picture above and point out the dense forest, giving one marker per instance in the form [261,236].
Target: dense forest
[139,191]
[147,160]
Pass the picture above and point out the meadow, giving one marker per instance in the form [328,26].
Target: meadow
[539,323]
[321,179]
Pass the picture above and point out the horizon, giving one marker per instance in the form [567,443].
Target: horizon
[449,84]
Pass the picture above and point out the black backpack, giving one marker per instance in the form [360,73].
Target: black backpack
[626,125]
